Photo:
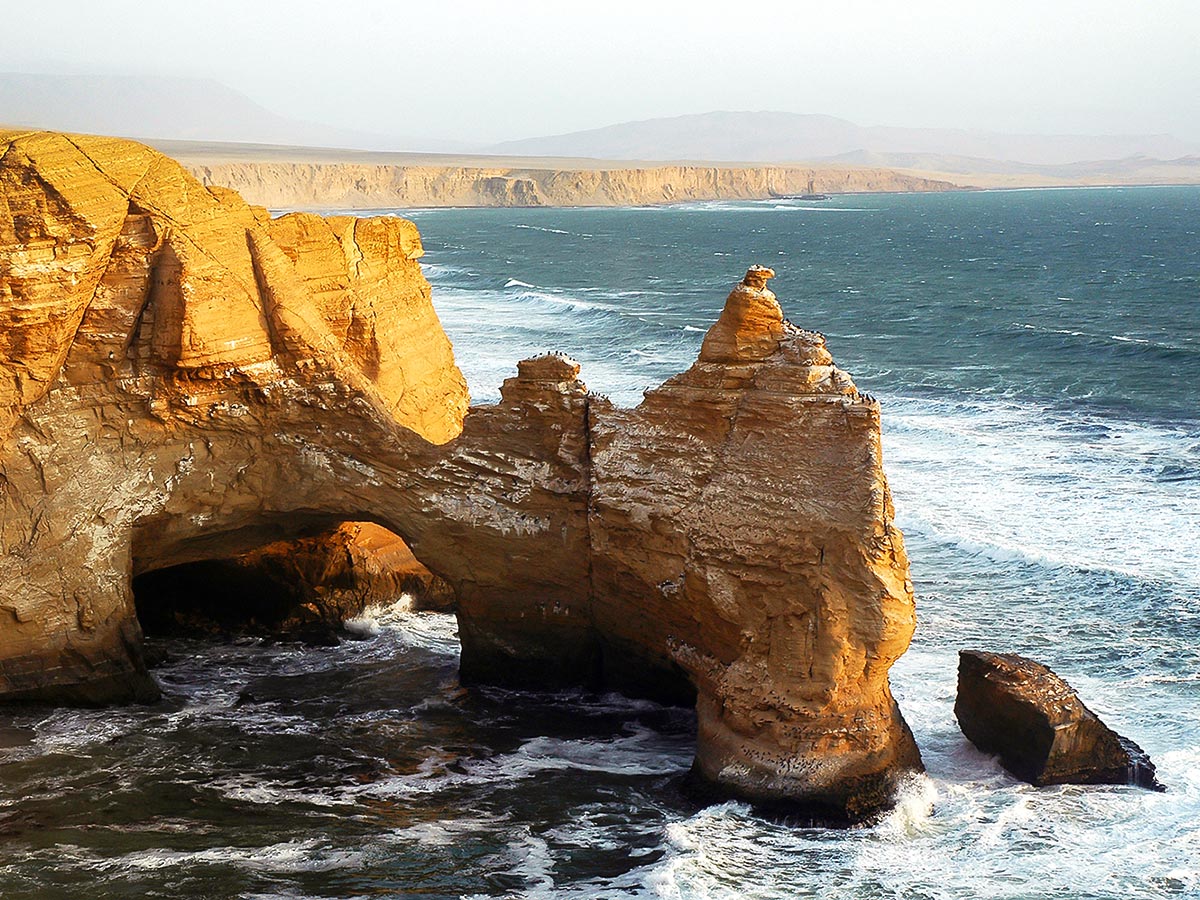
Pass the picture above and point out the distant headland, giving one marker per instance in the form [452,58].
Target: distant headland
[313,178]
[283,177]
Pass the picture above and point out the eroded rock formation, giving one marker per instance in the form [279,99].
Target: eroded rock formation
[183,378]
[742,514]
[1035,722]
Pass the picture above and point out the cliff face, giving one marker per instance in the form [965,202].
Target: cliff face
[170,364]
[185,379]
[356,186]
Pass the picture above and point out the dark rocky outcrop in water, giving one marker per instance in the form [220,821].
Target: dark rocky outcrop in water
[1036,723]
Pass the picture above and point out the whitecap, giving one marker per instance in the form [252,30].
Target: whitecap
[916,796]
[375,616]
[1057,508]
[544,230]
[287,857]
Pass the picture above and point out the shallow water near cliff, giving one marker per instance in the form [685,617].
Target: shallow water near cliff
[1037,355]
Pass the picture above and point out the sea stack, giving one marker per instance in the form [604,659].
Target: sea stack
[741,518]
[184,378]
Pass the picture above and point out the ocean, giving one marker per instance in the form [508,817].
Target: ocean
[1037,357]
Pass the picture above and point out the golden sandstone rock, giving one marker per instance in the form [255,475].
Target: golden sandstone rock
[1034,721]
[183,378]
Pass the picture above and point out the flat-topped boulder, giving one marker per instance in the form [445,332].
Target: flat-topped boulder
[1034,721]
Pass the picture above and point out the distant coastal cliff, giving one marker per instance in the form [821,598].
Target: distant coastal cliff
[346,185]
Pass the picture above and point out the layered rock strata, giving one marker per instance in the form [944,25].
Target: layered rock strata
[1034,721]
[183,378]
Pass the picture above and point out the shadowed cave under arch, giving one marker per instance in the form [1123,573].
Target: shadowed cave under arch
[297,589]
[298,576]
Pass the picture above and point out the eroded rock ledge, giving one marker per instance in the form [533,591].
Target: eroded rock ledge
[184,378]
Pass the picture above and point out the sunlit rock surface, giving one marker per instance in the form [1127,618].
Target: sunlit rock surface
[741,518]
[183,378]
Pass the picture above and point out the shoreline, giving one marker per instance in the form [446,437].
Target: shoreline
[332,179]
[327,210]
[326,179]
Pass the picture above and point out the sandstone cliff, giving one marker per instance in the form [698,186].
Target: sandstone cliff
[183,378]
[165,352]
[343,185]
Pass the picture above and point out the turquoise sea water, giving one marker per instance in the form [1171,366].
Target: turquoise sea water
[1037,355]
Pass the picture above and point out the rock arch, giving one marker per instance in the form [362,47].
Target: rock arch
[182,374]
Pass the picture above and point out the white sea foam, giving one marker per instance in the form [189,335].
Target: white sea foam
[1091,500]
[916,798]
[533,862]
[446,832]
[72,730]
[543,230]
[265,792]
[376,616]
[404,625]
[439,271]
[286,857]
[835,209]
[642,752]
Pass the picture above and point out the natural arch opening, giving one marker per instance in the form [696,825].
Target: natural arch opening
[301,589]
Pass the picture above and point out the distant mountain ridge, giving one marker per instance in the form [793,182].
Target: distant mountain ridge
[172,108]
[973,165]
[794,137]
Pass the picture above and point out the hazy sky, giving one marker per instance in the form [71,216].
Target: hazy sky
[485,72]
